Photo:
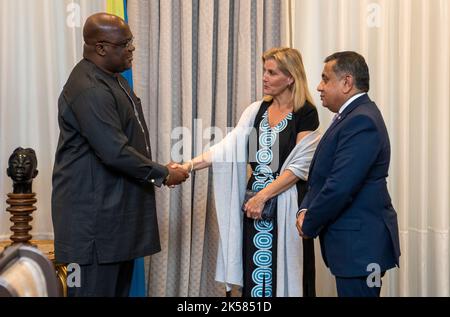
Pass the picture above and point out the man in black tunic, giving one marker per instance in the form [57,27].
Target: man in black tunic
[103,199]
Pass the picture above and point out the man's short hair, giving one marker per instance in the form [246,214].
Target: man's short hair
[352,63]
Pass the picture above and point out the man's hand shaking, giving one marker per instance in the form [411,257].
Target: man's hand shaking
[177,175]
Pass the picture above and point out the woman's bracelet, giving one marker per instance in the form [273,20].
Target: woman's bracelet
[192,166]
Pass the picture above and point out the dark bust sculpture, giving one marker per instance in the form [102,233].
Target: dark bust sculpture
[22,166]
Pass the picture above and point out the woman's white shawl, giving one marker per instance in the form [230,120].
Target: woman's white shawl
[230,181]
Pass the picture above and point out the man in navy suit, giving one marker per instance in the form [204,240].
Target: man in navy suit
[347,203]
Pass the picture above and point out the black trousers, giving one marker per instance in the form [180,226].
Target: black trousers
[309,268]
[104,280]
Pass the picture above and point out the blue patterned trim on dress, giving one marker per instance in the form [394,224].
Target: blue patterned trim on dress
[262,274]
[263,174]
[267,138]
[263,240]
[257,291]
[263,225]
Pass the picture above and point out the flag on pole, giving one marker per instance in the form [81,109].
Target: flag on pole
[119,8]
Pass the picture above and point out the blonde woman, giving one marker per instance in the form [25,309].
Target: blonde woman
[265,255]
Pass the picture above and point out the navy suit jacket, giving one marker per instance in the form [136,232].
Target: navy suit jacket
[348,203]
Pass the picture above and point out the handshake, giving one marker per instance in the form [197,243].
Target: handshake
[178,173]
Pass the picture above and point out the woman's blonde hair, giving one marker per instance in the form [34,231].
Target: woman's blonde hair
[289,61]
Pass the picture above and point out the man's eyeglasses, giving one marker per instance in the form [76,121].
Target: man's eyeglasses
[126,44]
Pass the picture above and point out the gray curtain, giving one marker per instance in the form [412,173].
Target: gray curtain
[197,65]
